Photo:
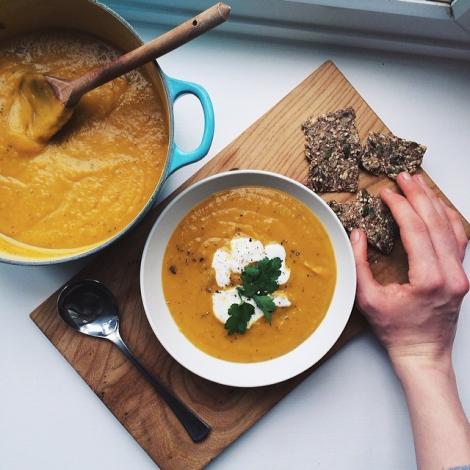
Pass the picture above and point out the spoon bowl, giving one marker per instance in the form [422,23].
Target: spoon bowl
[89,307]
[36,113]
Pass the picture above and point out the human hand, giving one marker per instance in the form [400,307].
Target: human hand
[417,320]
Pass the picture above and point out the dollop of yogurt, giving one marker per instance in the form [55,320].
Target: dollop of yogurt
[244,251]
[222,300]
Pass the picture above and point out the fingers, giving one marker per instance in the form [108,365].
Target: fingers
[450,215]
[434,199]
[457,226]
[441,234]
[452,242]
[422,258]
[367,286]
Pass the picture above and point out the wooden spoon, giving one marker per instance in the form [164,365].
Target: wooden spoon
[40,118]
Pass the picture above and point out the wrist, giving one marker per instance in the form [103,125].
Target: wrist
[440,427]
[419,366]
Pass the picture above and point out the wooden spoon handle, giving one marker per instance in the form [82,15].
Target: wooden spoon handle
[167,42]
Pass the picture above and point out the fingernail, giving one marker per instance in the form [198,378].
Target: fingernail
[405,176]
[355,235]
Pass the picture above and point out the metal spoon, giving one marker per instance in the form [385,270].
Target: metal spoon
[89,307]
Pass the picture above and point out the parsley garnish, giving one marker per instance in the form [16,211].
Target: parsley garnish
[260,278]
[266,305]
[239,316]
[258,281]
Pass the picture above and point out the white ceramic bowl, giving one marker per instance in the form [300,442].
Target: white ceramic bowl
[233,373]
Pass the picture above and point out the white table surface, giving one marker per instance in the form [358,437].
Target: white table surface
[350,413]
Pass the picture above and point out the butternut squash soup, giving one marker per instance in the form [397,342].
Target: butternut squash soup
[95,176]
[249,274]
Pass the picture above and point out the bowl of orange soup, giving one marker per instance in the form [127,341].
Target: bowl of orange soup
[98,176]
[247,278]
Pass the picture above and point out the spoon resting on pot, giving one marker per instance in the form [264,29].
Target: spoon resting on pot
[44,104]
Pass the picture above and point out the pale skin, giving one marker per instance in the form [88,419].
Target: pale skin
[416,322]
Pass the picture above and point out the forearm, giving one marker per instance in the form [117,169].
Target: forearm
[440,428]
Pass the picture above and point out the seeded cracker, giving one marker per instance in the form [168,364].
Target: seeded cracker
[333,150]
[391,155]
[371,215]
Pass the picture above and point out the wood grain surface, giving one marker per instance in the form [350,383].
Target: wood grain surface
[275,142]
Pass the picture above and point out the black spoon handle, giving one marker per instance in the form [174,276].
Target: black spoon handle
[197,429]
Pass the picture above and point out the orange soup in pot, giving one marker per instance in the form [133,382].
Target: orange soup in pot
[96,175]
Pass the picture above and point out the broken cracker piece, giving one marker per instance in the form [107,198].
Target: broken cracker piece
[333,150]
[333,172]
[391,155]
[370,214]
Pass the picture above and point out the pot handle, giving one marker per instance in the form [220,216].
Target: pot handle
[180,158]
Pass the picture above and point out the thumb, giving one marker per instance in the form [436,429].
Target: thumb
[367,286]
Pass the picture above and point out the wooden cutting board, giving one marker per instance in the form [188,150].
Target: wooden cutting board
[274,142]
